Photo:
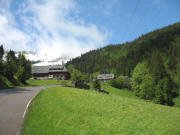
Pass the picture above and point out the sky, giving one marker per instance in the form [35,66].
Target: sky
[68,28]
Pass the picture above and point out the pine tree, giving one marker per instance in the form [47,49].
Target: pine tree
[1,59]
[1,53]
[28,68]
[11,65]
[156,66]
[24,69]
[164,92]
[21,74]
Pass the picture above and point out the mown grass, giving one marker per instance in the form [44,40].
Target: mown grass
[70,111]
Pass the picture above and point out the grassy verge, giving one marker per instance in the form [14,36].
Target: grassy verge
[70,111]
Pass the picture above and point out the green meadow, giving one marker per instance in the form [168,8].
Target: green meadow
[33,82]
[71,111]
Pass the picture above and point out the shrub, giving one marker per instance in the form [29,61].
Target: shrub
[81,85]
[121,82]
[96,84]
[102,91]
[63,83]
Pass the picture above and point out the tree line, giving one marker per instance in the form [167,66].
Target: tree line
[14,68]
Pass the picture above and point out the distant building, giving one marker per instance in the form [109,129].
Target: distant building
[50,72]
[105,77]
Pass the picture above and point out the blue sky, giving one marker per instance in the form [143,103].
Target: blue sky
[128,19]
[56,28]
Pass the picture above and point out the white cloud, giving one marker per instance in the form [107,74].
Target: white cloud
[51,27]
[60,31]
[11,37]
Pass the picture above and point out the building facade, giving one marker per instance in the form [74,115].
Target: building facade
[105,77]
[50,72]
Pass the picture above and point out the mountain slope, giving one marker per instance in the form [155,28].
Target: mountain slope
[121,59]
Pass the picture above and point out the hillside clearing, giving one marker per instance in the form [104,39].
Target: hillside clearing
[119,92]
[60,111]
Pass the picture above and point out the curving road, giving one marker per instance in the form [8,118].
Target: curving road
[13,107]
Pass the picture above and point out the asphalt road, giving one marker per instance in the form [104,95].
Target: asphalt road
[13,107]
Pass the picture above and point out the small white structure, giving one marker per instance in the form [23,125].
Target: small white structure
[105,77]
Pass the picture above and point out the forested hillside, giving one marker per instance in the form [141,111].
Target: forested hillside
[121,59]
[152,63]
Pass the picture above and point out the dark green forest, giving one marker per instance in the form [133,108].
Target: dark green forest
[158,52]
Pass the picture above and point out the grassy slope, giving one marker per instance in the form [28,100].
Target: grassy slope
[129,94]
[70,111]
[5,83]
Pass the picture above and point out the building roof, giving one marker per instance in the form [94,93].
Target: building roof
[105,76]
[48,69]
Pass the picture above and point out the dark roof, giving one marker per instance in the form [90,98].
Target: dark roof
[47,69]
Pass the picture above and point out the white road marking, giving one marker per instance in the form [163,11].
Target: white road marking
[26,108]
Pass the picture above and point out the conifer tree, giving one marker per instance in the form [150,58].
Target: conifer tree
[156,66]
[24,69]
[1,59]
[11,64]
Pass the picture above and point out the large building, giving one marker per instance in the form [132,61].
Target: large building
[50,72]
[105,77]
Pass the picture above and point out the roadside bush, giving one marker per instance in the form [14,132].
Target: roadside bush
[121,82]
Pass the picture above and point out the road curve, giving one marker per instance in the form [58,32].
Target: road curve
[13,106]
